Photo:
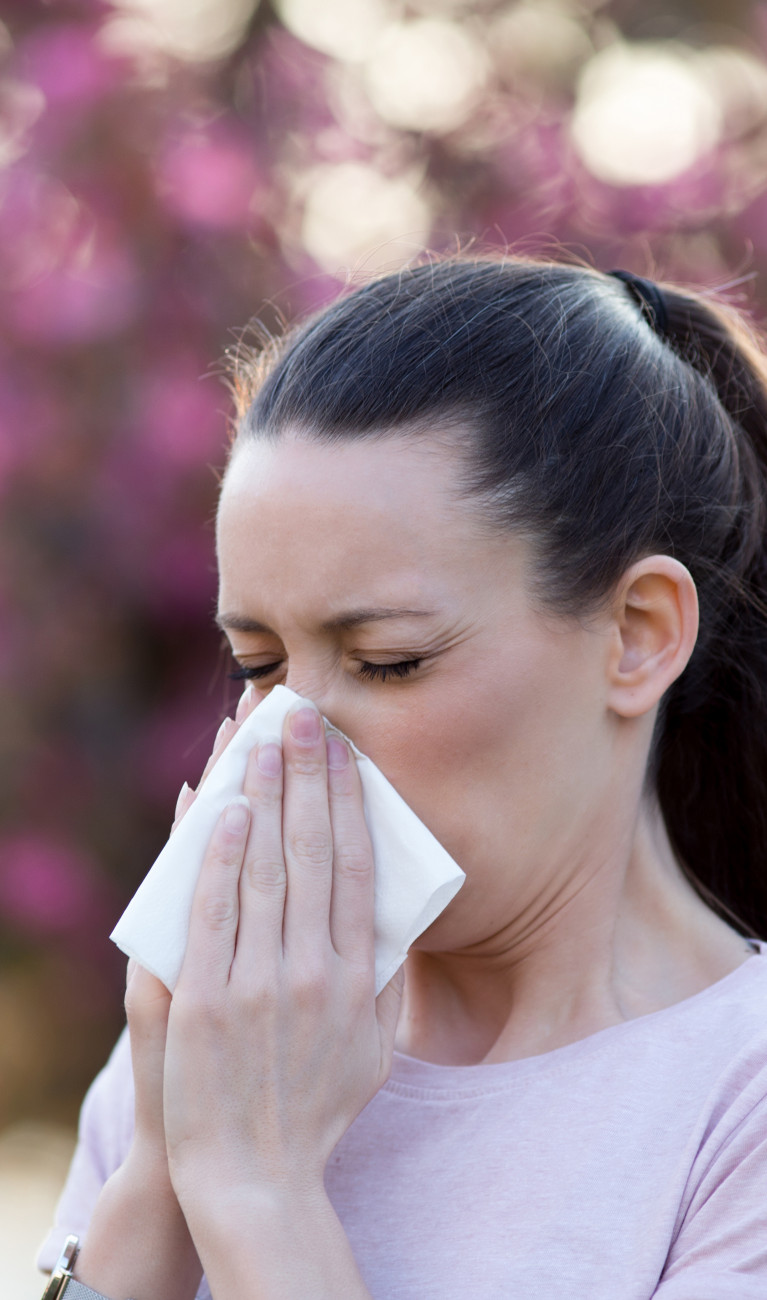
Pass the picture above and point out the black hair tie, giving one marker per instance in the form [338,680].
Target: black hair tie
[649,297]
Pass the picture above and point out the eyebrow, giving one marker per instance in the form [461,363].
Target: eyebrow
[351,618]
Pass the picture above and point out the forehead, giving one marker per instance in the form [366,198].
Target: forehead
[362,519]
[388,488]
[380,468]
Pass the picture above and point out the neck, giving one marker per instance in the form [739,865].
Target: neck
[601,957]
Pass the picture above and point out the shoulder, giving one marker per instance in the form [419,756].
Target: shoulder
[726,1051]
[724,1027]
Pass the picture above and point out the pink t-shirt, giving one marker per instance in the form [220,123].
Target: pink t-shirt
[629,1165]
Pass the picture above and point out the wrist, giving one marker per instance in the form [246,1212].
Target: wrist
[274,1242]
[219,1214]
[138,1243]
[229,1208]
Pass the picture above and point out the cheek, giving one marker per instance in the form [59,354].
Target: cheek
[455,754]
[485,760]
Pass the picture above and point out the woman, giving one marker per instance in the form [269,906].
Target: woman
[503,522]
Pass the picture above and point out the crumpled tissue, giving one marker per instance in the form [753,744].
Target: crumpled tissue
[415,877]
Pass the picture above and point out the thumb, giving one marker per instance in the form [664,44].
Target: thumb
[147,1003]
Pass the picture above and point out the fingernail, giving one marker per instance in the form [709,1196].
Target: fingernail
[338,754]
[305,725]
[183,792]
[269,758]
[244,703]
[237,814]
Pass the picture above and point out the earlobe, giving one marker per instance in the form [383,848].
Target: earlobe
[655,625]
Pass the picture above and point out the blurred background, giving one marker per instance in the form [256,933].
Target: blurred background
[168,169]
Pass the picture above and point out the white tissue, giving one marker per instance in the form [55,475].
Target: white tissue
[415,878]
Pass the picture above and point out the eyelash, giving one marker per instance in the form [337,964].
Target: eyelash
[369,672]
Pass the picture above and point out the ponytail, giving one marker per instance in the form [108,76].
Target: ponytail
[710,763]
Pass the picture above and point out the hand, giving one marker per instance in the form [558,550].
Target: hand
[275,1038]
[140,1192]
[147,1001]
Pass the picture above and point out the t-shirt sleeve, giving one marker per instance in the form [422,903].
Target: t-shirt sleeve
[720,1249]
[104,1137]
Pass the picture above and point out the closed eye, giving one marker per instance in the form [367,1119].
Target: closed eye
[380,672]
[250,674]
[367,671]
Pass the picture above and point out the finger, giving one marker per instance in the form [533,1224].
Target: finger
[247,702]
[147,1005]
[185,797]
[215,906]
[146,997]
[184,802]
[307,835]
[223,736]
[250,700]
[351,906]
[263,879]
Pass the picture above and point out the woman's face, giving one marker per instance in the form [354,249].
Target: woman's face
[345,559]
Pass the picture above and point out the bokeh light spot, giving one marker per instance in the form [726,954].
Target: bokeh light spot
[345,29]
[644,114]
[195,30]
[426,75]
[354,212]
[21,104]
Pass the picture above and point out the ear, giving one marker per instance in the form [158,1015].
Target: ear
[655,626]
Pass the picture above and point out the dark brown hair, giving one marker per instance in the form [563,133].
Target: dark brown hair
[603,440]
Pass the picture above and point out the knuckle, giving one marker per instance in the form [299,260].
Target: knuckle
[224,853]
[354,860]
[311,987]
[345,781]
[267,875]
[202,1007]
[266,797]
[304,764]
[218,912]
[262,994]
[314,847]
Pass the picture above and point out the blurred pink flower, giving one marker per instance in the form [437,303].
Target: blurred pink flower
[683,203]
[31,419]
[48,887]
[210,178]
[132,503]
[176,742]
[40,225]
[67,65]
[94,293]
[179,416]
[182,574]
[751,223]
[291,78]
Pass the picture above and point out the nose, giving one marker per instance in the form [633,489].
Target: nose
[310,685]
[314,685]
